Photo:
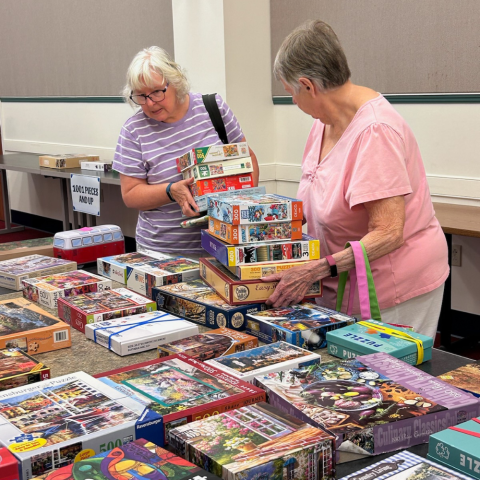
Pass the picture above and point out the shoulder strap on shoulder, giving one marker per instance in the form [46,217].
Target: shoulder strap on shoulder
[212,108]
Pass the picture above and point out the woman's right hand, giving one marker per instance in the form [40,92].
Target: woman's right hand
[180,191]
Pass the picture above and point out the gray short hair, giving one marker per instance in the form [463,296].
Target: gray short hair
[312,51]
[154,60]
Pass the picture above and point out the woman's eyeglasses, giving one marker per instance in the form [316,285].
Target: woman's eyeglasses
[155,96]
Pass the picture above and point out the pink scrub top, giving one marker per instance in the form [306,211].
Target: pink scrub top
[376,157]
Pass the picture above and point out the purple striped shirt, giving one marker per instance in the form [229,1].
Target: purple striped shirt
[148,149]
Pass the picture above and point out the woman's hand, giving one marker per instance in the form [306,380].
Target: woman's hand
[180,191]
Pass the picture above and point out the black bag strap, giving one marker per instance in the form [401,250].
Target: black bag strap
[212,108]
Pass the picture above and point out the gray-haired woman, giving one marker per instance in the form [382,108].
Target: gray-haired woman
[363,179]
[171,121]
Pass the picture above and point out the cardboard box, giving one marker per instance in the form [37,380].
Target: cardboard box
[26,326]
[238,166]
[132,461]
[211,344]
[241,292]
[49,424]
[214,153]
[22,248]
[199,303]
[458,447]
[48,289]
[466,378]
[62,161]
[181,389]
[14,271]
[304,325]
[254,272]
[264,360]
[144,278]
[97,307]
[258,232]
[18,369]
[307,248]
[257,441]
[118,267]
[405,466]
[361,339]
[202,201]
[97,166]
[396,406]
[139,333]
[206,186]
[245,209]
[8,465]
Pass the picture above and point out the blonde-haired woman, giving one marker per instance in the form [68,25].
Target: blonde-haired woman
[171,120]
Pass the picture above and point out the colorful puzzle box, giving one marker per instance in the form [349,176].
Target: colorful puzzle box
[219,169]
[48,289]
[241,292]
[26,326]
[307,248]
[181,389]
[304,325]
[47,424]
[211,344]
[373,403]
[206,186]
[254,272]
[257,442]
[199,303]
[139,333]
[18,368]
[202,201]
[144,278]
[22,248]
[466,378]
[263,360]
[14,271]
[97,307]
[8,465]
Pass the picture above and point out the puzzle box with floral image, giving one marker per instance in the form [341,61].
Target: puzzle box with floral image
[48,289]
[26,326]
[97,307]
[257,441]
[181,389]
[373,404]
[47,424]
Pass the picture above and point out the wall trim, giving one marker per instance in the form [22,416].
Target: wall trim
[62,99]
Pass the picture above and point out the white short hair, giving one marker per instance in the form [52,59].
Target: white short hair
[154,60]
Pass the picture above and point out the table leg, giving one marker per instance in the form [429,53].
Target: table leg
[84,220]
[74,213]
[445,320]
[6,207]
[93,221]
[65,210]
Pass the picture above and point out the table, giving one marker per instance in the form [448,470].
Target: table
[28,163]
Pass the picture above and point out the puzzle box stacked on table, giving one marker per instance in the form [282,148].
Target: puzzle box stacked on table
[13,271]
[211,344]
[138,459]
[139,333]
[22,248]
[304,325]
[47,424]
[8,465]
[466,378]
[144,278]
[18,368]
[363,338]
[199,303]
[26,326]
[373,403]
[181,389]
[264,360]
[48,289]
[97,307]
[257,442]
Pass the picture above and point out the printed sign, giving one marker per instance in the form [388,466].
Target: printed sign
[85,194]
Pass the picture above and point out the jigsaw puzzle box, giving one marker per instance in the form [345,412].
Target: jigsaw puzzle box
[307,248]
[257,442]
[48,424]
[97,166]
[48,289]
[26,326]
[373,403]
[22,248]
[64,161]
[199,303]
[219,169]
[205,186]
[466,378]
[202,201]
[139,333]
[14,271]
[97,307]
[8,465]
[255,272]
[181,390]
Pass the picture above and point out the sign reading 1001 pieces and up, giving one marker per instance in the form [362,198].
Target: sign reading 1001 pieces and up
[85,194]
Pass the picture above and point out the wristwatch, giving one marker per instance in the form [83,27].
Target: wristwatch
[333,266]
[169,186]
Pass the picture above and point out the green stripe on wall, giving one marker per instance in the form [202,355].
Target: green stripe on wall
[62,99]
